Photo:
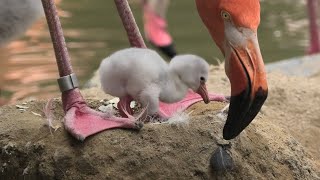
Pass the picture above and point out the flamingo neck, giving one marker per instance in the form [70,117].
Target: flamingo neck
[174,89]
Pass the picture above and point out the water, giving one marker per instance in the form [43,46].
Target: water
[93,30]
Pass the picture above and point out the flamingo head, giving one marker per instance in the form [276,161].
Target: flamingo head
[233,26]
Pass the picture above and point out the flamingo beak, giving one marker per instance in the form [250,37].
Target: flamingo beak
[202,91]
[249,89]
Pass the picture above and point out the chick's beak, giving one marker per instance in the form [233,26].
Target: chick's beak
[202,91]
[249,90]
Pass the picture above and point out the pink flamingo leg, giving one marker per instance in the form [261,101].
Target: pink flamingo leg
[124,106]
[129,24]
[80,121]
[313,27]
[168,110]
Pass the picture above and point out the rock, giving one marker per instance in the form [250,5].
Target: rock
[221,161]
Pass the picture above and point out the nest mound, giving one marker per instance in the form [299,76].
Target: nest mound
[272,147]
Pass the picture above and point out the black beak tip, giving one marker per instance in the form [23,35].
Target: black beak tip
[242,111]
[230,133]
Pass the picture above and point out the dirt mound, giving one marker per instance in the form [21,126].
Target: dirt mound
[274,146]
[294,104]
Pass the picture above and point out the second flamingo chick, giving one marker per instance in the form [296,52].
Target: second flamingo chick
[142,75]
[16,16]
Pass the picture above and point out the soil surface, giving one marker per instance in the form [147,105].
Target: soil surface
[281,143]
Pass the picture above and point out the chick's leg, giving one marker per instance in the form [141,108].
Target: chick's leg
[124,106]
[149,98]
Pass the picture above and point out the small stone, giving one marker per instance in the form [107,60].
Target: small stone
[133,104]
[223,142]
[21,107]
[221,161]
[105,108]
[9,148]
[36,114]
[114,101]
[27,146]
[26,171]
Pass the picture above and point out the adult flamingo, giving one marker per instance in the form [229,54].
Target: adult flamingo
[233,26]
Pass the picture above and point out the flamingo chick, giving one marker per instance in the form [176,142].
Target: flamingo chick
[142,75]
[16,16]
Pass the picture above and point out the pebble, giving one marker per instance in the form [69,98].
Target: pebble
[105,108]
[133,104]
[115,101]
[21,107]
[36,114]
[221,161]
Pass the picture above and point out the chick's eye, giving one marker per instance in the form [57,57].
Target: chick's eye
[225,15]
[202,79]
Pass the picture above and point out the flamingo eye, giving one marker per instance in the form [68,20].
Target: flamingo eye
[225,15]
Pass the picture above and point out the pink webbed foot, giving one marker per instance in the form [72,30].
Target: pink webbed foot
[167,110]
[82,121]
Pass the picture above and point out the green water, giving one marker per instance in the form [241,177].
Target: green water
[93,30]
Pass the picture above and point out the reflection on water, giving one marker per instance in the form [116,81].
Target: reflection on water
[26,64]
[93,30]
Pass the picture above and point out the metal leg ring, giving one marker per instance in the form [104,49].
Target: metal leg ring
[68,82]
